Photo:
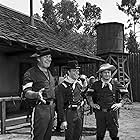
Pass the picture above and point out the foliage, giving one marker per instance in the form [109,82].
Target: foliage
[131,43]
[68,15]
[92,15]
[62,17]
[67,19]
[130,8]
[49,13]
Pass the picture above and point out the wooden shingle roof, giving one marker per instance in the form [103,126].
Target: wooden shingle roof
[15,27]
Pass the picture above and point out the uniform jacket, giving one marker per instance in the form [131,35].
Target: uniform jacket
[35,79]
[106,97]
[67,94]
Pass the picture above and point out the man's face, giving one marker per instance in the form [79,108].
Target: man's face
[74,73]
[106,74]
[45,61]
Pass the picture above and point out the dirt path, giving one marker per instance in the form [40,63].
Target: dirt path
[129,121]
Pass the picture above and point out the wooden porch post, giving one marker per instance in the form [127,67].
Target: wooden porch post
[3,117]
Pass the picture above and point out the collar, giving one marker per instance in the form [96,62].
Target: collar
[42,69]
[45,71]
[72,81]
[104,83]
[69,80]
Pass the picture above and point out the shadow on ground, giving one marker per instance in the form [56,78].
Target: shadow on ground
[87,131]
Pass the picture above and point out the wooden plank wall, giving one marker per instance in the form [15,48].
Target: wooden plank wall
[134,66]
[89,69]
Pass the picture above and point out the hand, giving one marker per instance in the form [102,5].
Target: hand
[95,106]
[40,97]
[64,125]
[116,106]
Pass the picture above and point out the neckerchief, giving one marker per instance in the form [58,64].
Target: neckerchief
[72,81]
[104,83]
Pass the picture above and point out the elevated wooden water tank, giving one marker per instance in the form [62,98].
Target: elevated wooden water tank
[110,38]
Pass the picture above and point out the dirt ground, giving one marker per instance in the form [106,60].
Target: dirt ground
[129,121]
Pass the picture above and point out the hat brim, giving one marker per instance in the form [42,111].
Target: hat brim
[111,67]
[40,54]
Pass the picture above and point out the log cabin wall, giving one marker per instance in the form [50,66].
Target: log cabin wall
[9,76]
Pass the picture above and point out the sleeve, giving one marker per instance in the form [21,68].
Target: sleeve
[27,82]
[60,102]
[122,91]
[91,93]
[90,90]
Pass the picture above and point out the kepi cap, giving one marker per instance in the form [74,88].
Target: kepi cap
[73,64]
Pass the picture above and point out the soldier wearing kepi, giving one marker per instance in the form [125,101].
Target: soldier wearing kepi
[38,87]
[70,102]
[103,97]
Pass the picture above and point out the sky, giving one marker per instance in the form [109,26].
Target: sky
[110,12]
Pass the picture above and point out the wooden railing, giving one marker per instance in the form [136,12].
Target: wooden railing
[3,101]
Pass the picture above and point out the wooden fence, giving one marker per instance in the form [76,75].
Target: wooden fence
[134,67]
[4,122]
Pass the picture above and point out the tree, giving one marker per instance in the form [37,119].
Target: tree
[130,8]
[49,13]
[92,15]
[131,43]
[66,16]
[66,19]
[63,17]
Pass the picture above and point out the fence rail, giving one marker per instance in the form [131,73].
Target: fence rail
[3,101]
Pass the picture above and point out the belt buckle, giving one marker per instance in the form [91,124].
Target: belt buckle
[74,106]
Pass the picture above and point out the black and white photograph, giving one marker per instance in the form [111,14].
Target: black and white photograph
[69,69]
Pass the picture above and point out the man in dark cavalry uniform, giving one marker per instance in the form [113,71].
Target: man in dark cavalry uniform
[103,96]
[70,102]
[38,87]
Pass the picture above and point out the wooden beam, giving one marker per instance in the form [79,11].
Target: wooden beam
[3,117]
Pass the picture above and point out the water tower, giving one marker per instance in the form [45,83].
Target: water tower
[110,46]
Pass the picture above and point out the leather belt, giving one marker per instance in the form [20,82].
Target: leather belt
[73,107]
[105,109]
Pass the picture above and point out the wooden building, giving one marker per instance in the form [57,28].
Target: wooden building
[18,40]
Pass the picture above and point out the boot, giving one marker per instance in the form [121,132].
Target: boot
[115,138]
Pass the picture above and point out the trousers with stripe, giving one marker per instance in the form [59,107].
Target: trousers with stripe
[42,122]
